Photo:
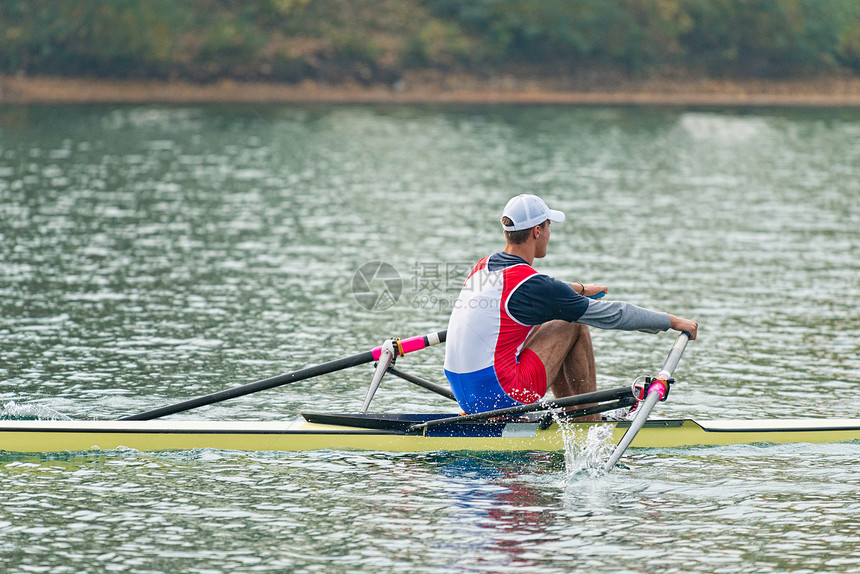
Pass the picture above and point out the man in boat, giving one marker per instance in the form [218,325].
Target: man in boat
[513,330]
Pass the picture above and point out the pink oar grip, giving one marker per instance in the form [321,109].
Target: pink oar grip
[658,386]
[413,344]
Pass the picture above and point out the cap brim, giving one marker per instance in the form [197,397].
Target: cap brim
[555,215]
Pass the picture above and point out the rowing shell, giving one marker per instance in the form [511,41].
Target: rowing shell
[386,433]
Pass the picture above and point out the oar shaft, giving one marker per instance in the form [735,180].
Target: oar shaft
[264,384]
[644,410]
[658,389]
[430,386]
[583,399]
[404,346]
[674,357]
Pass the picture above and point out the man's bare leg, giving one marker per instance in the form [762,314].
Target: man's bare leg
[568,357]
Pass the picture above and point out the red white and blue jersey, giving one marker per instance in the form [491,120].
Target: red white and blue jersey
[502,300]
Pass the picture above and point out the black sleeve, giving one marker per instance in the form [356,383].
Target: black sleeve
[541,298]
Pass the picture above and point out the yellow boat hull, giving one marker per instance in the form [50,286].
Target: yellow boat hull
[159,435]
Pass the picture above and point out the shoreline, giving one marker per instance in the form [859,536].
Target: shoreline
[436,89]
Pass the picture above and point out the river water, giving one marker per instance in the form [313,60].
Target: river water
[149,254]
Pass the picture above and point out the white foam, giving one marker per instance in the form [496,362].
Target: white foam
[585,449]
[14,411]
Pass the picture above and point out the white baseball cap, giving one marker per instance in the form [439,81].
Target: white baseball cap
[527,210]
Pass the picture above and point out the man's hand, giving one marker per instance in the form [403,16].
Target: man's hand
[688,325]
[589,289]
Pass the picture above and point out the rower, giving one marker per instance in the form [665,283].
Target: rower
[514,331]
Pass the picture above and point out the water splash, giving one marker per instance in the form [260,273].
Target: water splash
[585,448]
[12,411]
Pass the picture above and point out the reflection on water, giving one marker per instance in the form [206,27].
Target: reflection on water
[741,508]
[153,253]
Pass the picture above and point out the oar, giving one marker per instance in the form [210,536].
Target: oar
[658,389]
[403,346]
[430,386]
[575,400]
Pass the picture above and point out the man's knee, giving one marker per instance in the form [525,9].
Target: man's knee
[561,331]
[568,327]
[555,338]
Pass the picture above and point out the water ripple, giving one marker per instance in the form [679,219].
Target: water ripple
[150,254]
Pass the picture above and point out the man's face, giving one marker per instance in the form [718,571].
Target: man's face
[542,240]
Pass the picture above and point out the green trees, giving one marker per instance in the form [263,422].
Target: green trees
[723,37]
[765,37]
[116,38]
[376,40]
